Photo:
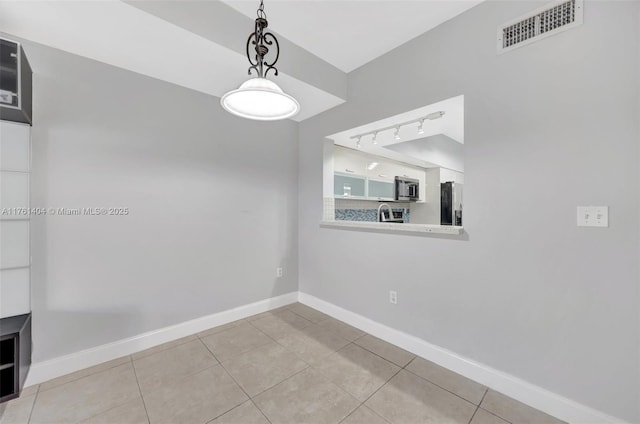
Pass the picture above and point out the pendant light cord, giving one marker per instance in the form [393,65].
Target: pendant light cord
[259,44]
[260,12]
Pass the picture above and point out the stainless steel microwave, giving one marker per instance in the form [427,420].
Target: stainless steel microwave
[407,189]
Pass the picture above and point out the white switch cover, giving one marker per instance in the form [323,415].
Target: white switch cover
[593,216]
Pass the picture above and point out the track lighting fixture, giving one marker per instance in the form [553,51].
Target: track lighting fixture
[435,115]
[396,134]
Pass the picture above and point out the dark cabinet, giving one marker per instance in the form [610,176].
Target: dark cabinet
[15,83]
[15,354]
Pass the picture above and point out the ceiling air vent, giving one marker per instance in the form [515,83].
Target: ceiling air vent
[544,22]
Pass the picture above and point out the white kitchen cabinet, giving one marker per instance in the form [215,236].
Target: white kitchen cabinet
[15,290]
[357,164]
[15,148]
[347,186]
[14,192]
[349,162]
[15,256]
[380,189]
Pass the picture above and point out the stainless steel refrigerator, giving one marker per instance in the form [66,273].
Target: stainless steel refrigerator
[451,203]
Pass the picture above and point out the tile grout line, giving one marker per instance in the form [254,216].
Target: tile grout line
[240,387]
[183,377]
[380,356]
[483,396]
[237,384]
[495,415]
[250,322]
[225,412]
[489,412]
[236,407]
[135,373]
[275,385]
[118,405]
[209,350]
[376,391]
[80,377]
[380,388]
[445,389]
[273,339]
[300,315]
[166,348]
[257,347]
[34,405]
[411,372]
[383,385]
[407,364]
[346,391]
[350,342]
[311,324]
[280,382]
[473,415]
[263,414]
[350,414]
[222,331]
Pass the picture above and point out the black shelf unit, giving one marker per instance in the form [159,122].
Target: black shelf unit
[15,83]
[15,355]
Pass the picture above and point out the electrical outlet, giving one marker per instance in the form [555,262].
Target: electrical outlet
[393,297]
[279,272]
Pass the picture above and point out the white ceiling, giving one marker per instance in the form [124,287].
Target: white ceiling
[350,33]
[345,33]
[118,34]
[451,124]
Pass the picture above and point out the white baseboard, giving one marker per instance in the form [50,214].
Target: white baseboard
[52,368]
[537,397]
[542,399]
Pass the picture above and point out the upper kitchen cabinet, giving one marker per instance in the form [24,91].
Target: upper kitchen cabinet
[15,83]
[378,171]
[349,186]
[380,189]
[348,162]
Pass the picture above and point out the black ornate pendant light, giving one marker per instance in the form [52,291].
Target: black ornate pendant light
[258,98]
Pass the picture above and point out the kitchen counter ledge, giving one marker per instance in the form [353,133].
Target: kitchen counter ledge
[389,227]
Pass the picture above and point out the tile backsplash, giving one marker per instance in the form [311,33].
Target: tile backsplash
[328,209]
[360,210]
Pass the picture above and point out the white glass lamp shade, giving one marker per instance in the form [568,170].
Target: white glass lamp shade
[261,99]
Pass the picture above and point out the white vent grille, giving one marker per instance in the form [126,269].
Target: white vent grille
[544,22]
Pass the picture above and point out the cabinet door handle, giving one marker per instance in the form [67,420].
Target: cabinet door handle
[349,170]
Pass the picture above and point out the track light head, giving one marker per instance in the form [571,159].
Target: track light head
[435,115]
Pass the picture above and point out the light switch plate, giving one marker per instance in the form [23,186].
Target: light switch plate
[593,216]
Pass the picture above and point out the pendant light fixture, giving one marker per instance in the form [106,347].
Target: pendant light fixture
[258,98]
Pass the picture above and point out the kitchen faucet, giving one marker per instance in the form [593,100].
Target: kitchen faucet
[380,216]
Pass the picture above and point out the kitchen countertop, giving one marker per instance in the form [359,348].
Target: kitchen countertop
[390,227]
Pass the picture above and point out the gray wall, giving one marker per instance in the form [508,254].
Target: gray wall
[548,127]
[212,199]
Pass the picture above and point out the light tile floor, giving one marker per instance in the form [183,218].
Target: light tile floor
[291,365]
